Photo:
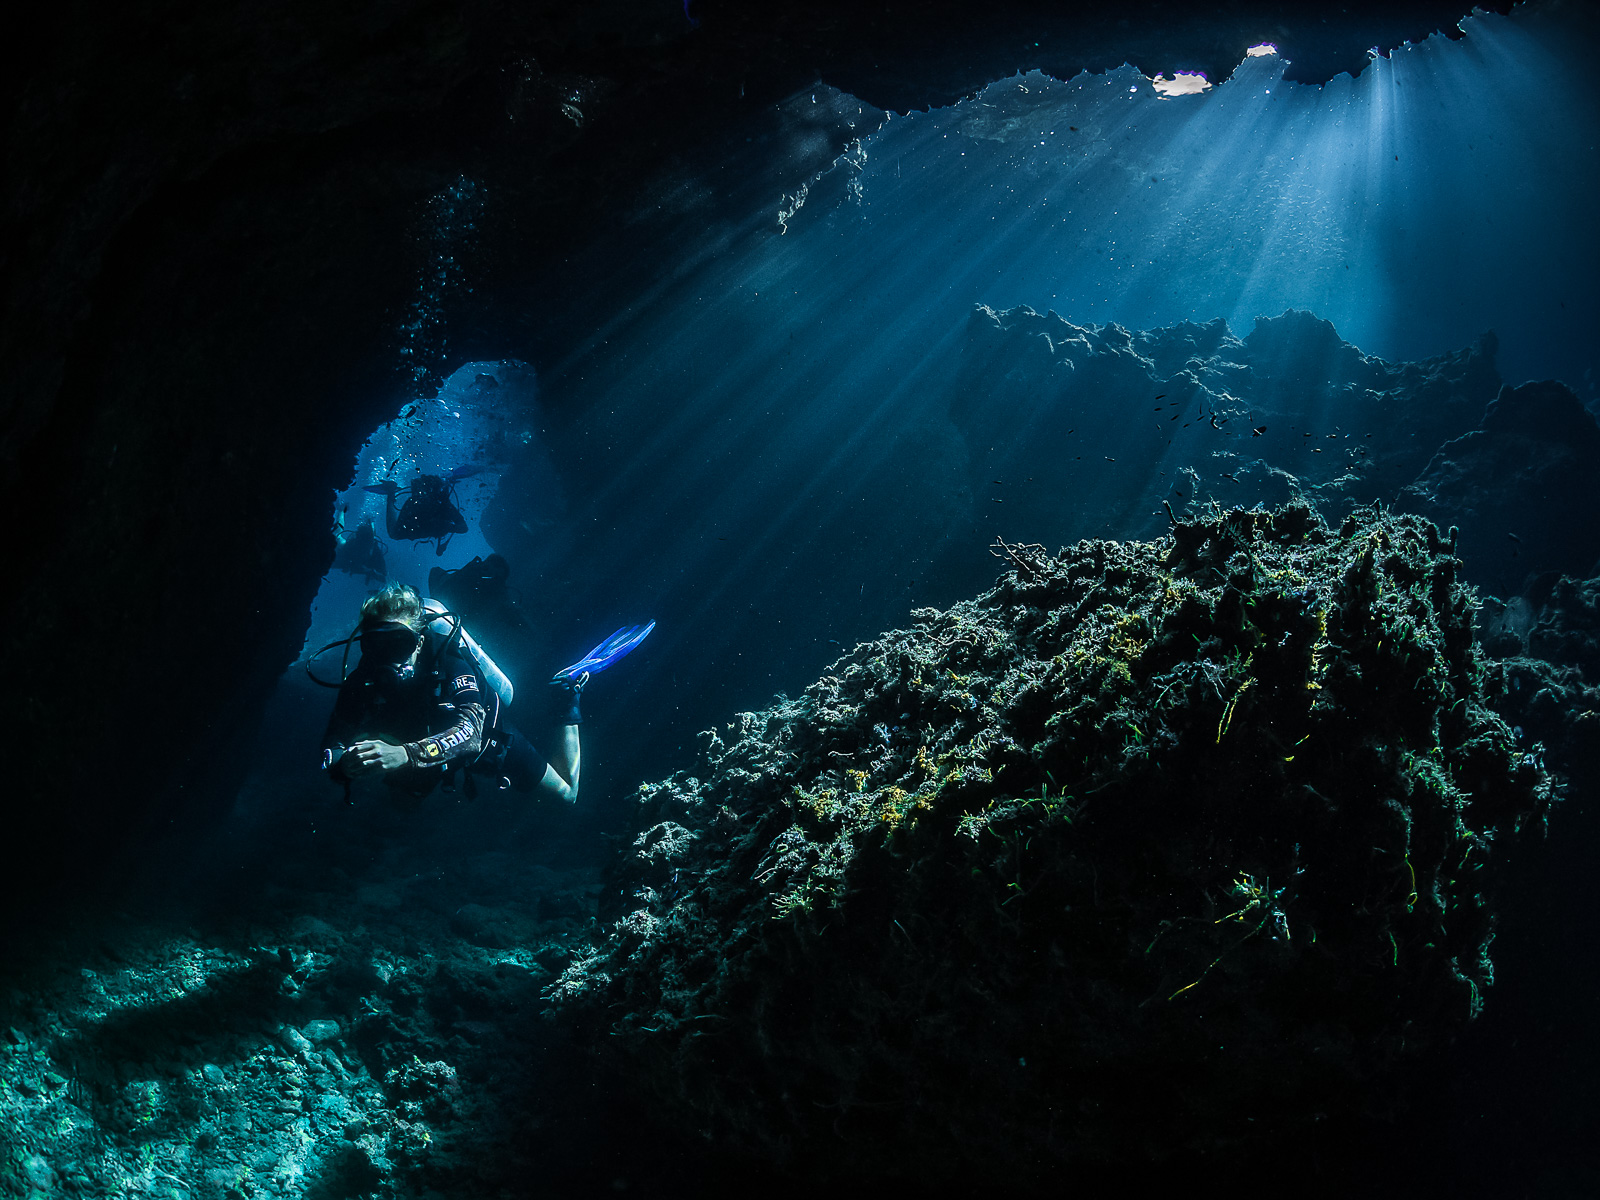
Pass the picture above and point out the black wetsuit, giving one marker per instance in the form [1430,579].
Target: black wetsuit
[437,715]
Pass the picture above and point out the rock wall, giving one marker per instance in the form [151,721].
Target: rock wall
[1521,485]
[1161,845]
[1289,408]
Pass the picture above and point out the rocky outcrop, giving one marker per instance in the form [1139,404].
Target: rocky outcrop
[1546,676]
[1522,487]
[1117,420]
[1156,845]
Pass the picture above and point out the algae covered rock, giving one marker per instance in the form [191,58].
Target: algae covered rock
[1154,845]
[1546,677]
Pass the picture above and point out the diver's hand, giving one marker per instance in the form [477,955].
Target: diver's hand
[372,757]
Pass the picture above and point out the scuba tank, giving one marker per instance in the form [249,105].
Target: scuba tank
[448,625]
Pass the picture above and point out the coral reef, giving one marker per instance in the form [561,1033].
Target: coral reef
[1155,846]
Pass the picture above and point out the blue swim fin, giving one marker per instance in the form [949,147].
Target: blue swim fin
[620,644]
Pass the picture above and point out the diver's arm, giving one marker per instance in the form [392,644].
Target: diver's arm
[461,713]
[348,755]
[464,738]
[458,717]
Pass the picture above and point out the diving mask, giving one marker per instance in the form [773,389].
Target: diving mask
[391,645]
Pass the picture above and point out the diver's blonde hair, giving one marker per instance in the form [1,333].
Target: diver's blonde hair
[394,602]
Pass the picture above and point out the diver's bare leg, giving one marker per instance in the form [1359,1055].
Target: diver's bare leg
[568,758]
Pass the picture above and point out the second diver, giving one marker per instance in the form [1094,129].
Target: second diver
[429,512]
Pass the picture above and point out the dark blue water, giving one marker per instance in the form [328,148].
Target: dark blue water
[769,414]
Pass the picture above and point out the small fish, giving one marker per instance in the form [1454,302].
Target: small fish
[1162,396]
[1175,416]
[1258,430]
[1110,459]
[1513,537]
[1229,475]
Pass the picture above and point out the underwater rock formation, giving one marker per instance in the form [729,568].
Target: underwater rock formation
[1115,420]
[360,1052]
[1157,845]
[1546,677]
[1521,486]
[1289,409]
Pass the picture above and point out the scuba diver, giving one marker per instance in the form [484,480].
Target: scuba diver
[428,513]
[359,552]
[480,592]
[416,710]
[425,705]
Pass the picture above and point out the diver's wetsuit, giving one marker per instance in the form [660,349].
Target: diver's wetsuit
[437,715]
